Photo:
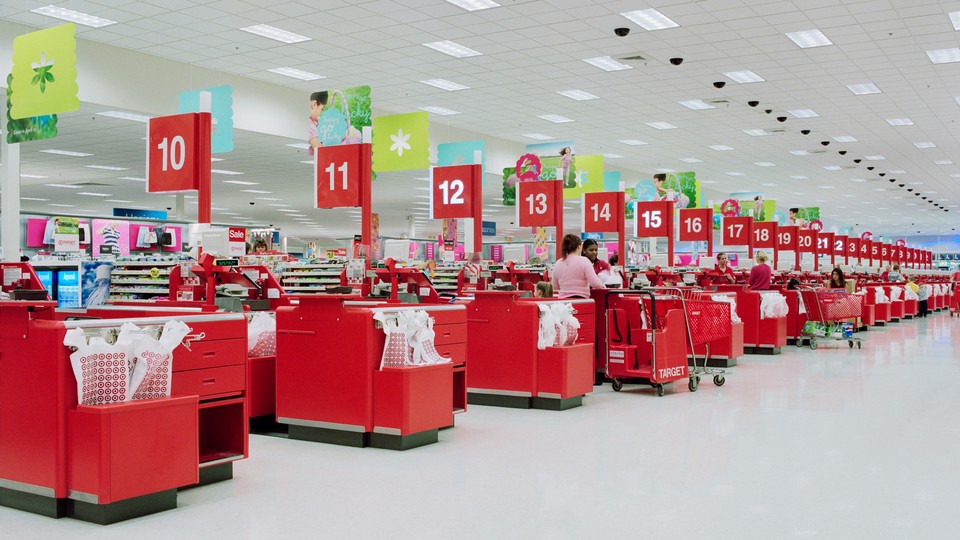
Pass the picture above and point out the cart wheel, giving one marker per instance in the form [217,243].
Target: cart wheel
[851,343]
[659,388]
[859,344]
[719,380]
[800,343]
[693,384]
[813,344]
[617,385]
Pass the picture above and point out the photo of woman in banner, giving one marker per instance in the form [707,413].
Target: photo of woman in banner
[111,237]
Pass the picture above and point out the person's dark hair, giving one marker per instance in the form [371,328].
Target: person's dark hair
[320,97]
[795,210]
[793,284]
[570,244]
[589,242]
[841,281]
[260,243]
[614,259]
[660,176]
[720,254]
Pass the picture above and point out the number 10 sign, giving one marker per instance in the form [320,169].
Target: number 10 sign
[178,152]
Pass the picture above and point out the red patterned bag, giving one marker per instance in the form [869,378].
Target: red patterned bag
[99,368]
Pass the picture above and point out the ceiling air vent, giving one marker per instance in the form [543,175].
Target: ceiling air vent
[635,58]
[777,131]
[92,184]
[717,101]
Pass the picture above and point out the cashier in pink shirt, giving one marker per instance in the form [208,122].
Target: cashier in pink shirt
[759,279]
[723,274]
[573,275]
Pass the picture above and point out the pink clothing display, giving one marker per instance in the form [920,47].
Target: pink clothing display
[759,279]
[574,276]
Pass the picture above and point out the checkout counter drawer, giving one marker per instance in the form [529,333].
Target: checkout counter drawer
[209,354]
[456,352]
[209,382]
[450,333]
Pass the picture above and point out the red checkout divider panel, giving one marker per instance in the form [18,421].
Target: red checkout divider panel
[762,335]
[881,310]
[329,385]
[795,319]
[897,307]
[507,368]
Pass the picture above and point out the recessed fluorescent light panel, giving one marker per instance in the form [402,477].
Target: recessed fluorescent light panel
[221,171]
[691,160]
[606,63]
[874,158]
[33,199]
[743,77]
[474,5]
[555,118]
[897,171]
[798,177]
[943,162]
[241,182]
[70,15]
[696,104]
[899,121]
[125,115]
[721,148]
[809,38]
[944,56]
[133,178]
[444,84]
[578,95]
[666,170]
[32,176]
[858,179]
[537,136]
[633,142]
[296,73]
[257,191]
[735,173]
[922,145]
[863,89]
[650,19]
[845,139]
[66,153]
[764,164]
[274,33]
[300,146]
[832,167]
[106,167]
[612,156]
[800,152]
[440,110]
[661,125]
[453,49]
[755,132]
[92,194]
[803,113]
[65,186]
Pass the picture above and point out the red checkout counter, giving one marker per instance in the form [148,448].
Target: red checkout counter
[107,463]
[506,367]
[760,335]
[330,387]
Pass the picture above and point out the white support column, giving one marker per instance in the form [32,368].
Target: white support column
[181,211]
[10,208]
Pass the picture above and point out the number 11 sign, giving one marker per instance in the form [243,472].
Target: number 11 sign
[340,174]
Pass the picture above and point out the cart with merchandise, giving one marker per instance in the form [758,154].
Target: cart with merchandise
[827,311]
[645,338]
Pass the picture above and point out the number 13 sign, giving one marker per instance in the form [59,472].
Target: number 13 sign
[340,175]
[538,203]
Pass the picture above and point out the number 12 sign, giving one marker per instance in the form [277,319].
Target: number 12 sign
[602,212]
[454,192]
[340,174]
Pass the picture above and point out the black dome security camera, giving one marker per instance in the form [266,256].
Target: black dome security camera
[805,131]
[676,61]
[909,189]
[719,84]
[857,161]
[892,180]
[924,198]
[825,143]
[753,103]
[871,168]
[884,174]
[252,203]
[169,208]
[900,185]
[768,111]
[781,119]
[842,152]
[621,32]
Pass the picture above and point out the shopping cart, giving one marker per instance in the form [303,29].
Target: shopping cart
[827,310]
[644,339]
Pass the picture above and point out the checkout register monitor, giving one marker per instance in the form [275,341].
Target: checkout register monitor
[515,252]
[398,250]
[658,259]
[708,263]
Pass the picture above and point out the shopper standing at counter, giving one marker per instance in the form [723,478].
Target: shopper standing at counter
[837,280]
[573,275]
[759,279]
[723,273]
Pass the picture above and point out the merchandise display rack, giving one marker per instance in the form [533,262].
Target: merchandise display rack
[311,278]
[445,278]
[136,281]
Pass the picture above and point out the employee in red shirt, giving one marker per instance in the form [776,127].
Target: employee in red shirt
[759,279]
[723,274]
[590,250]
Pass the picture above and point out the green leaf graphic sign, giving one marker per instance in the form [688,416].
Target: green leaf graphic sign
[44,73]
[35,128]
[401,142]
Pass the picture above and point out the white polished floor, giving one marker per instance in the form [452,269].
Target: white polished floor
[833,443]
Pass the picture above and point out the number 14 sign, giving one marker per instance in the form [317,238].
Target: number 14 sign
[602,212]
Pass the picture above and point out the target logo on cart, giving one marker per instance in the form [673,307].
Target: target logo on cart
[696,224]
[765,234]
[339,173]
[652,219]
[671,372]
[452,191]
[602,211]
[537,203]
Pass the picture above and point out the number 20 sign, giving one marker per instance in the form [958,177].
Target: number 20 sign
[340,174]
[454,191]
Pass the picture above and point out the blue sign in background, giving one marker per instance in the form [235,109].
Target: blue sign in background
[488,228]
[591,236]
[137,213]
[221,111]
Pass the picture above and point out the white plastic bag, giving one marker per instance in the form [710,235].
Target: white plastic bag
[772,305]
[567,324]
[153,369]
[880,297]
[908,294]
[547,334]
[262,335]
[895,293]
[396,351]
[420,337]
[734,318]
[101,369]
